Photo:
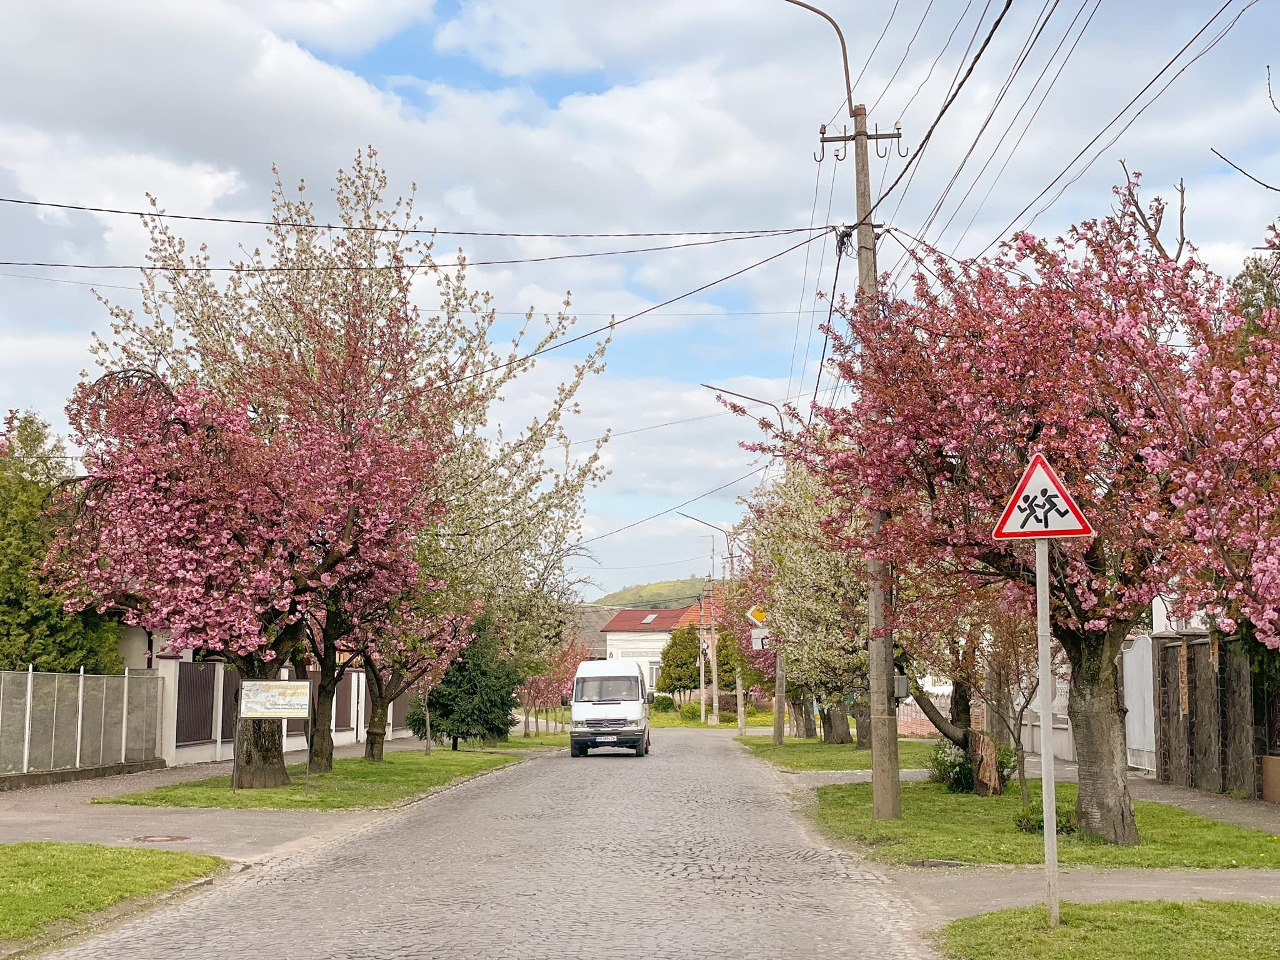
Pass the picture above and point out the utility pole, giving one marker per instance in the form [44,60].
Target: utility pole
[886,786]
[714,719]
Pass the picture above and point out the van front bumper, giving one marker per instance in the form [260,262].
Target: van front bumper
[608,738]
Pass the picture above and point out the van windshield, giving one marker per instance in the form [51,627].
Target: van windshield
[601,689]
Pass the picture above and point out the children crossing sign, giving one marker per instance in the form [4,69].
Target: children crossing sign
[1041,507]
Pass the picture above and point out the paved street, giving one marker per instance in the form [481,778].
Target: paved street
[693,851]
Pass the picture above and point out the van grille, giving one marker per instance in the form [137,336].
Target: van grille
[606,724]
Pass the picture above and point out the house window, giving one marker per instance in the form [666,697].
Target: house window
[653,676]
[650,618]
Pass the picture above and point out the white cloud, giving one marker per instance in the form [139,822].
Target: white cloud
[340,26]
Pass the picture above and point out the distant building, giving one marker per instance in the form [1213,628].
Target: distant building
[586,629]
[642,634]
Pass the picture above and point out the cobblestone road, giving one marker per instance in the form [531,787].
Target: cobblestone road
[690,852]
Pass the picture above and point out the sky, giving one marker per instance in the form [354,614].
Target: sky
[616,116]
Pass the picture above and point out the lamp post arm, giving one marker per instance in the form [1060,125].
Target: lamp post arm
[844,49]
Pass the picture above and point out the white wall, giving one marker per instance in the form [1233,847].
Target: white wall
[645,647]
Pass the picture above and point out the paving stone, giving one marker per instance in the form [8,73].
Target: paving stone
[694,851]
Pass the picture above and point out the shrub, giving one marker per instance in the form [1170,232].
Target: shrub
[690,712]
[1007,761]
[1031,820]
[950,766]
[663,703]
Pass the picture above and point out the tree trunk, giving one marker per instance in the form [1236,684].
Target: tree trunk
[961,704]
[862,724]
[806,716]
[260,743]
[260,755]
[537,729]
[1022,773]
[824,721]
[1103,806]
[985,764]
[426,720]
[957,735]
[454,743]
[375,737]
[839,722]
[793,711]
[526,721]
[321,745]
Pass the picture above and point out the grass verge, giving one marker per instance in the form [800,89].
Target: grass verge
[937,825]
[1130,930]
[354,783]
[727,720]
[815,755]
[47,883]
[520,742]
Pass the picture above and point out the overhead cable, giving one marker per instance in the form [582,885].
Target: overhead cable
[361,228]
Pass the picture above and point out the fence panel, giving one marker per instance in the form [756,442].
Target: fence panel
[195,702]
[63,727]
[13,714]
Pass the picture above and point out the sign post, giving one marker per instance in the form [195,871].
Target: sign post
[269,700]
[1041,509]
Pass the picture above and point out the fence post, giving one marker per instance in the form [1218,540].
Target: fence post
[219,686]
[26,730]
[79,717]
[53,721]
[124,718]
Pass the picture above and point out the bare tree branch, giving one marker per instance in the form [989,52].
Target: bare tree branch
[1241,169]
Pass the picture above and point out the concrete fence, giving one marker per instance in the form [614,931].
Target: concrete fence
[68,725]
[71,721]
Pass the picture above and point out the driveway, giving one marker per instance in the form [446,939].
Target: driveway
[693,851]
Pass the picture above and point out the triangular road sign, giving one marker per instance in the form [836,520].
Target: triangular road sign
[1041,507]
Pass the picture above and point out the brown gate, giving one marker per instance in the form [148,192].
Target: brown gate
[195,702]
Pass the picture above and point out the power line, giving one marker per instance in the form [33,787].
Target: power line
[1123,110]
[676,423]
[936,60]
[1037,31]
[617,323]
[663,513]
[358,228]
[804,280]
[905,54]
[710,314]
[924,142]
[364,268]
[646,566]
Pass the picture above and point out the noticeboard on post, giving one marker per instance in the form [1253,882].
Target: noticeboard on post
[275,699]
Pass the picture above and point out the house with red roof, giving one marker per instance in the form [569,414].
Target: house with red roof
[642,634]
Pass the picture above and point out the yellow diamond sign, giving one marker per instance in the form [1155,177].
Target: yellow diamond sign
[758,614]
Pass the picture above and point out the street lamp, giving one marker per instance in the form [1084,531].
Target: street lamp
[714,637]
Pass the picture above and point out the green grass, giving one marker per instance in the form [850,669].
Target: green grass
[797,754]
[937,825]
[520,742]
[658,720]
[1119,931]
[353,783]
[664,593]
[44,883]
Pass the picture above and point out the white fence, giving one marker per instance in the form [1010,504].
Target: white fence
[66,721]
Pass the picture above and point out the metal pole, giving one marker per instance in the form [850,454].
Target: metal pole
[779,697]
[235,741]
[124,717]
[1048,793]
[80,718]
[26,730]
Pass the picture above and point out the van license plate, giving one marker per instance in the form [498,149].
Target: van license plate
[606,739]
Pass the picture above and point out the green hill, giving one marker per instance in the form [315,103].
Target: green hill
[664,594]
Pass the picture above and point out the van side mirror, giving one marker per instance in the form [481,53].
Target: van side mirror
[564,701]
[648,697]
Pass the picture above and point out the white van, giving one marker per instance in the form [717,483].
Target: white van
[610,707]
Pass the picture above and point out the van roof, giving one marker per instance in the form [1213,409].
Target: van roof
[622,667]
